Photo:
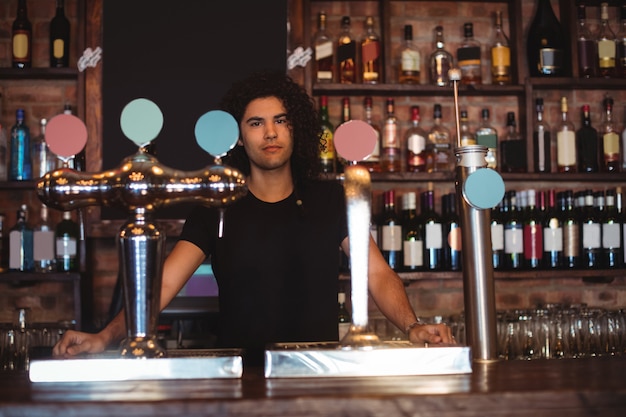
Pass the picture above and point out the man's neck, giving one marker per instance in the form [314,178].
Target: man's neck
[270,186]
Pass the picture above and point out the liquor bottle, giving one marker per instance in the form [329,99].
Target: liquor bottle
[79,161]
[542,142]
[327,145]
[487,135]
[533,232]
[623,163]
[620,41]
[433,232]
[586,43]
[467,137]
[469,58]
[43,159]
[440,61]
[323,48]
[59,38]
[20,165]
[612,239]
[553,232]
[391,232]
[21,243]
[513,233]
[415,139]
[372,162]
[346,53]
[44,243]
[412,234]
[546,44]
[22,34]
[4,149]
[513,147]
[566,155]
[591,234]
[497,236]
[500,55]
[3,245]
[346,114]
[621,213]
[391,158]
[410,59]
[371,65]
[587,143]
[452,247]
[606,44]
[609,139]
[344,319]
[439,146]
[67,234]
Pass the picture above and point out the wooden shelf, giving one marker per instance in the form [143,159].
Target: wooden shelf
[39,74]
[336,89]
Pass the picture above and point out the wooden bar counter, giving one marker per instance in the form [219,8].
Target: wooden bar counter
[568,387]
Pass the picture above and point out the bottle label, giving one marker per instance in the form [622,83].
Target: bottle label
[610,235]
[20,45]
[513,240]
[610,142]
[497,237]
[43,245]
[455,241]
[343,330]
[391,238]
[552,239]
[57,48]
[410,61]
[434,236]
[489,140]
[566,148]
[323,50]
[416,144]
[15,253]
[390,136]
[413,251]
[550,60]
[592,235]
[66,247]
[571,240]
[606,53]
[533,242]
[500,60]
[327,152]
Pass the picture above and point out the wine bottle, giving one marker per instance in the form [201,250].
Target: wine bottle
[542,142]
[372,162]
[391,232]
[606,44]
[44,243]
[20,164]
[567,157]
[612,239]
[487,135]
[344,319]
[415,139]
[323,49]
[79,161]
[586,44]
[451,233]
[621,215]
[620,40]
[391,158]
[591,234]
[440,61]
[497,236]
[587,143]
[513,233]
[346,53]
[21,243]
[513,147]
[533,232]
[553,232]
[500,54]
[412,233]
[371,68]
[469,57]
[439,150]
[546,44]
[467,137]
[433,232]
[609,139]
[327,145]
[43,159]
[410,59]
[571,231]
[59,38]
[67,234]
[22,35]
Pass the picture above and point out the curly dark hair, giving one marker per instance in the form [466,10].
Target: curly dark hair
[301,113]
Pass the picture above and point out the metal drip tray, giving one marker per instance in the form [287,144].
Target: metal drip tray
[180,364]
[292,360]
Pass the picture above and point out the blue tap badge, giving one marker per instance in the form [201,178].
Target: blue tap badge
[484,188]
[217,132]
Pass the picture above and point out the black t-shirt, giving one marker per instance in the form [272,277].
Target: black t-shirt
[276,265]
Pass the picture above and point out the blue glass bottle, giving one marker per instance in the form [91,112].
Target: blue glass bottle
[21,243]
[20,169]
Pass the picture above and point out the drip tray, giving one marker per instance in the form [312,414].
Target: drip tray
[180,364]
[329,359]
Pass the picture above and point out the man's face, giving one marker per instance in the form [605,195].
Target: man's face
[266,134]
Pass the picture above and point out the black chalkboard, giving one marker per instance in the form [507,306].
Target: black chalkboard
[182,55]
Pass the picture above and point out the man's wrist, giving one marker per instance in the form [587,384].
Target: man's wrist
[408,328]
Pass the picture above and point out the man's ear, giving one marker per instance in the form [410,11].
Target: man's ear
[239,142]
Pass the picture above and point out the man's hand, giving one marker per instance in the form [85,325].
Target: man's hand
[436,334]
[74,343]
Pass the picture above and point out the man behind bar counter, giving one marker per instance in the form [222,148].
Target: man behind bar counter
[276,264]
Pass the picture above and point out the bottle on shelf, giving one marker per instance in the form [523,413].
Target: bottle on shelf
[546,44]
[623,142]
[439,146]
[415,139]
[621,215]
[372,162]
[43,159]
[3,245]
[468,57]
[500,55]
[571,230]
[371,65]
[513,148]
[566,155]
[452,241]
[59,38]
[391,232]
[620,40]
[612,239]
[433,232]
[44,243]
[586,45]
[21,243]
[346,113]
[4,154]
[20,162]
[587,143]
[467,137]
[606,44]
[344,318]
[327,145]
[409,65]
[412,234]
[591,234]
[533,230]
[440,61]
[553,232]
[391,157]
[609,139]
[79,161]
[21,36]
[497,236]
[67,234]
[487,135]
[542,142]
[346,53]
[513,233]
[323,50]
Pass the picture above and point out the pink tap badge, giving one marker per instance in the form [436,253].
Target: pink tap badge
[66,135]
[355,140]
